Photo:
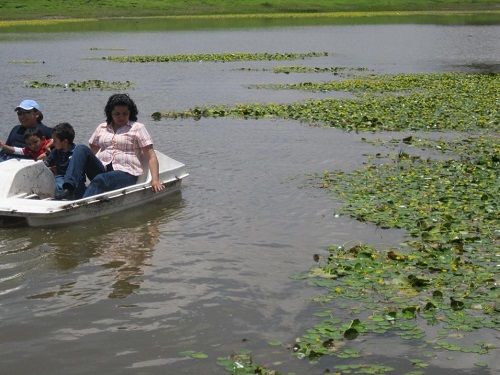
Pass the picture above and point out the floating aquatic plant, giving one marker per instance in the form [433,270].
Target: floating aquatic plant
[363,369]
[194,354]
[93,84]
[214,57]
[335,70]
[445,274]
[444,83]
[453,197]
[106,49]
[308,69]
[447,101]
[242,364]
[27,61]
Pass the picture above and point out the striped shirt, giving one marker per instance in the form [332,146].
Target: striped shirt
[123,147]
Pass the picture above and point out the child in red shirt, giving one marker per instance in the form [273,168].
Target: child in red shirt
[37,146]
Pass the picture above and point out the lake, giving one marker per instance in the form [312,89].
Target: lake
[210,269]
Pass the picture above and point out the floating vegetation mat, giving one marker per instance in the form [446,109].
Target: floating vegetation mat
[335,70]
[444,277]
[242,364]
[27,61]
[438,290]
[215,57]
[93,84]
[311,69]
[106,49]
[441,101]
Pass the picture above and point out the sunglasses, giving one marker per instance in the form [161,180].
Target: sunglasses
[22,112]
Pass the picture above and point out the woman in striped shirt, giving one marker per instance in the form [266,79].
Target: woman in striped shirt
[113,160]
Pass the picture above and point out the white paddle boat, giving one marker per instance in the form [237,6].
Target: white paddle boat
[27,194]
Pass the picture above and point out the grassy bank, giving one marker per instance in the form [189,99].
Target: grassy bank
[36,9]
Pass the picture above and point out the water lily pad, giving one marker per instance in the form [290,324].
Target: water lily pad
[351,333]
[194,354]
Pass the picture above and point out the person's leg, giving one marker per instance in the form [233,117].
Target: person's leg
[80,190]
[109,181]
[83,162]
[59,186]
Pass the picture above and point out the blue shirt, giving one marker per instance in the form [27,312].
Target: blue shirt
[60,160]
[16,136]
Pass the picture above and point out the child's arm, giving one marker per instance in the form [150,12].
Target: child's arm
[47,150]
[42,156]
[10,149]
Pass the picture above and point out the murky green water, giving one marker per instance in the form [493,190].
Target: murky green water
[208,270]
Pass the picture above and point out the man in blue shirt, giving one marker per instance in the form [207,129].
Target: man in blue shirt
[30,117]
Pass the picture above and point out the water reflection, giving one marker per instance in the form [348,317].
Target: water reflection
[123,253]
[105,258]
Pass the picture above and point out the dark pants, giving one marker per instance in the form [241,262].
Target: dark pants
[84,163]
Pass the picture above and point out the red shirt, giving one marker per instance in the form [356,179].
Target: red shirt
[35,154]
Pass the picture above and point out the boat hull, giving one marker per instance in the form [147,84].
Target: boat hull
[29,209]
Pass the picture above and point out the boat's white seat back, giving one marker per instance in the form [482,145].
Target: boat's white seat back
[165,164]
[20,176]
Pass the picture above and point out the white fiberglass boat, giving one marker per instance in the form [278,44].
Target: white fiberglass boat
[27,194]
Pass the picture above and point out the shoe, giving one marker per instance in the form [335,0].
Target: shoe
[66,195]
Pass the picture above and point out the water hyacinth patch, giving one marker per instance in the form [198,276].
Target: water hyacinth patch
[106,49]
[385,83]
[214,57]
[242,364]
[441,284]
[194,354]
[444,276]
[363,369]
[92,84]
[452,198]
[27,61]
[445,101]
[335,70]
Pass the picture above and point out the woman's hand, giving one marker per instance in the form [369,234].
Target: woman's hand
[149,153]
[157,186]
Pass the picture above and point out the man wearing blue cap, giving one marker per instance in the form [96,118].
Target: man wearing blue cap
[30,117]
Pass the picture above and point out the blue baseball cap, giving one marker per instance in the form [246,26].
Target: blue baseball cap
[28,105]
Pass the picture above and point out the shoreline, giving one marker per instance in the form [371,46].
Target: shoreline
[53,20]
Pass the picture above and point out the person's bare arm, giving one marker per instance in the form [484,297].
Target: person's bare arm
[8,149]
[150,155]
[94,148]
[11,150]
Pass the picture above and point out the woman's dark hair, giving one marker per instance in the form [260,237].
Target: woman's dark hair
[63,131]
[30,132]
[120,100]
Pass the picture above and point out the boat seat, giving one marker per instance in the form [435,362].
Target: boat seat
[27,178]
